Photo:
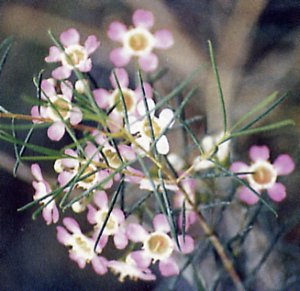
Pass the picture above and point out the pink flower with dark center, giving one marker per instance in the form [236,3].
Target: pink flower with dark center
[115,224]
[138,41]
[264,174]
[106,99]
[158,245]
[131,268]
[81,247]
[58,108]
[74,54]
[42,188]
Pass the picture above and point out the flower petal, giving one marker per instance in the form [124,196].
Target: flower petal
[91,214]
[56,131]
[116,31]
[69,37]
[119,57]
[238,167]
[48,89]
[136,232]
[166,118]
[61,73]
[67,89]
[102,97]
[91,44]
[247,196]
[162,145]
[120,240]
[284,165]
[99,265]
[160,223]
[148,91]
[62,235]
[122,77]
[163,39]
[257,153]
[36,172]
[75,116]
[72,225]
[85,66]
[277,192]
[143,18]
[168,267]
[148,62]
[141,259]
[187,245]
[54,55]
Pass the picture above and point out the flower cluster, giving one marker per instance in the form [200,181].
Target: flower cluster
[120,144]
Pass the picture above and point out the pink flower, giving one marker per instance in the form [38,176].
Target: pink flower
[264,175]
[115,225]
[106,99]
[42,188]
[158,245]
[58,108]
[74,55]
[131,268]
[81,247]
[138,41]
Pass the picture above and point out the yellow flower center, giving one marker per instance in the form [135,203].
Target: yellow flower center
[111,225]
[264,175]
[147,128]
[81,246]
[138,41]
[128,98]
[74,55]
[112,157]
[158,245]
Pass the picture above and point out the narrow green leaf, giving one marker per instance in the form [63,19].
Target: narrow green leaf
[253,111]
[5,47]
[276,125]
[216,73]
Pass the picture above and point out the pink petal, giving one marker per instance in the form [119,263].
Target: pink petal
[168,267]
[67,89]
[119,57]
[187,245]
[163,39]
[119,215]
[191,218]
[102,97]
[120,240]
[136,176]
[47,215]
[36,172]
[277,192]
[75,116]
[48,89]
[162,145]
[71,225]
[127,152]
[103,175]
[85,66]
[116,31]
[259,153]
[81,262]
[115,122]
[160,223]
[56,131]
[143,18]
[148,62]
[35,113]
[91,151]
[101,199]
[122,77]
[91,214]
[69,37]
[141,259]
[54,55]
[99,265]
[64,177]
[136,232]
[91,44]
[284,165]
[62,235]
[238,167]
[61,73]
[148,91]
[247,196]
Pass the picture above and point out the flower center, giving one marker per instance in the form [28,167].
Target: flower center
[90,172]
[111,225]
[60,108]
[138,41]
[128,98]
[264,175]
[158,245]
[82,247]
[112,157]
[155,126]
[74,55]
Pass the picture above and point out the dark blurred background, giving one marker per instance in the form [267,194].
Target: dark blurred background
[258,51]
